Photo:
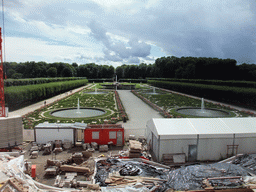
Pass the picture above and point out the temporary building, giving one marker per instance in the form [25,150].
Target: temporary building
[202,138]
[104,134]
[101,134]
[45,132]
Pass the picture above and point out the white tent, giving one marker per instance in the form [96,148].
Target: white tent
[202,138]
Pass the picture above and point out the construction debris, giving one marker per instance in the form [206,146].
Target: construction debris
[77,169]
[94,145]
[247,161]
[52,170]
[114,172]
[34,154]
[219,176]
[14,184]
[103,148]
[67,144]
[87,154]
[132,137]
[77,158]
[47,148]
[84,146]
[56,163]
[135,148]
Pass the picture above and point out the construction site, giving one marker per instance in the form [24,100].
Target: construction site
[146,153]
[190,154]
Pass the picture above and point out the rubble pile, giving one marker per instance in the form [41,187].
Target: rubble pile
[129,169]
[71,172]
[136,149]
[114,172]
[218,175]
[67,144]
[12,176]
[246,161]
[76,163]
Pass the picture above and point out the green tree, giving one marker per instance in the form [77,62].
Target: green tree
[52,72]
[17,76]
[67,72]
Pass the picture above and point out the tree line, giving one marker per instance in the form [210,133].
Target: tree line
[164,67]
[32,69]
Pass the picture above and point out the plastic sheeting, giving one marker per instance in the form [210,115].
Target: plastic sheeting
[104,167]
[126,189]
[246,161]
[191,177]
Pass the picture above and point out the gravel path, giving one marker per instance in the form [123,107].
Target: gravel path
[138,111]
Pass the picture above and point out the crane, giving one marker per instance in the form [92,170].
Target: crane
[2,102]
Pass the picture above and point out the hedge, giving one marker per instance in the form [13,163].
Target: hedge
[35,81]
[234,95]
[232,83]
[101,80]
[133,80]
[21,96]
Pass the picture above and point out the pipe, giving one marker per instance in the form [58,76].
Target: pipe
[158,147]
[197,143]
[234,138]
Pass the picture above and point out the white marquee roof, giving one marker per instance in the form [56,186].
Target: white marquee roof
[183,128]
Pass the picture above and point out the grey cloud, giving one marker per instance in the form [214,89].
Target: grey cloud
[117,51]
[110,57]
[223,29]
[133,60]
[241,47]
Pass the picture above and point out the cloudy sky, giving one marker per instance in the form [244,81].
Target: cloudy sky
[115,32]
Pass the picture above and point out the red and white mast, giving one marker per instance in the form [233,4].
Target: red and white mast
[2,103]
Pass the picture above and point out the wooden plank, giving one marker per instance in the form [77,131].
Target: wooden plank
[74,169]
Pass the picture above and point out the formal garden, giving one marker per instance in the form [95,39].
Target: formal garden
[107,101]
[164,101]
[167,102]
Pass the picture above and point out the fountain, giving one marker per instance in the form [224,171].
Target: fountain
[78,112]
[202,111]
[74,113]
[78,106]
[153,92]
[202,105]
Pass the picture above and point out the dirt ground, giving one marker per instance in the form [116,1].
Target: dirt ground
[40,162]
